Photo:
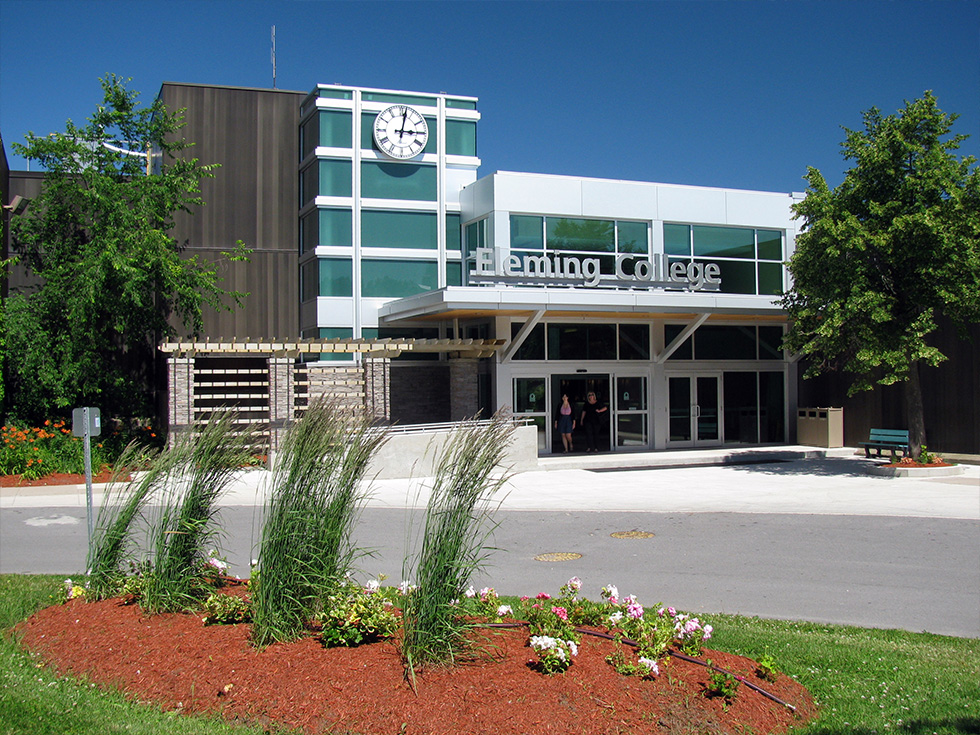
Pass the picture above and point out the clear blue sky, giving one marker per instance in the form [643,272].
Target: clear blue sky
[730,93]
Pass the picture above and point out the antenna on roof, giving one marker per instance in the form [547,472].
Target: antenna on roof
[273,57]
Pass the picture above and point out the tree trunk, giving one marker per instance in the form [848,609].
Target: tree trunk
[914,412]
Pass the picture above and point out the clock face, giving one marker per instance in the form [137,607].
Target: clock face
[400,132]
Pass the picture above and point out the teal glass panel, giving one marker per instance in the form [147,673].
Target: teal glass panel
[677,239]
[336,277]
[367,133]
[529,395]
[566,233]
[336,227]
[383,229]
[581,342]
[309,183]
[476,236]
[309,277]
[526,232]
[334,333]
[724,343]
[398,278]
[309,136]
[724,242]
[398,181]
[631,430]
[532,348]
[460,104]
[336,94]
[309,231]
[335,177]
[736,277]
[771,278]
[460,137]
[632,237]
[336,128]
[770,244]
[685,351]
[772,407]
[398,99]
[454,235]
[770,343]
[454,273]
[634,342]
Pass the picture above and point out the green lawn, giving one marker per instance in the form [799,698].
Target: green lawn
[865,681]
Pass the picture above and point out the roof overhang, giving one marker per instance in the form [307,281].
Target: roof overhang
[473,302]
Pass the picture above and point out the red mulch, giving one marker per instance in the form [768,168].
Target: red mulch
[180,664]
[55,478]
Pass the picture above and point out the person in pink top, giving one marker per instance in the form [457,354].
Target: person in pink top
[564,422]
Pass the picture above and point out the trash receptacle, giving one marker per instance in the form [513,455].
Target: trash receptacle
[820,427]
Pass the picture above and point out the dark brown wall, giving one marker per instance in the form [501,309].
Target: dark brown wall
[951,394]
[419,393]
[28,185]
[253,135]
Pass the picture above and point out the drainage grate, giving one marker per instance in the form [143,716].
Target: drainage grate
[558,556]
[631,534]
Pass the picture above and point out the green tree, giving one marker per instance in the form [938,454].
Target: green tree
[112,281]
[884,255]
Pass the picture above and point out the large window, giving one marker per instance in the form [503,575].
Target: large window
[380,180]
[576,342]
[398,278]
[326,227]
[383,229]
[598,238]
[326,177]
[460,138]
[713,342]
[750,260]
[327,277]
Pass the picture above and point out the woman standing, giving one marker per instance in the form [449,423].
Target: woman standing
[593,420]
[564,422]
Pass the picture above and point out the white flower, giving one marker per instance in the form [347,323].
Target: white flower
[470,592]
[615,617]
[504,610]
[372,586]
[406,587]
[572,647]
[651,665]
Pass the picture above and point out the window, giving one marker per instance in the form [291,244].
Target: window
[399,229]
[634,342]
[532,348]
[581,342]
[454,273]
[531,234]
[326,227]
[526,232]
[453,232]
[327,277]
[336,128]
[750,261]
[566,233]
[460,138]
[713,342]
[328,333]
[460,104]
[397,278]
[476,237]
[326,177]
[411,181]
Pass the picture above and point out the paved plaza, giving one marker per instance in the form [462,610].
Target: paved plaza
[777,533]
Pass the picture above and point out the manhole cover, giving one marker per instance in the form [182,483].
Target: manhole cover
[558,556]
[632,534]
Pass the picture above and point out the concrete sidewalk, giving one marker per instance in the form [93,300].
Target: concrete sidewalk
[786,479]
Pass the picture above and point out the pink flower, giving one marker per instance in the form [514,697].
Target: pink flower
[561,612]
[634,610]
[543,596]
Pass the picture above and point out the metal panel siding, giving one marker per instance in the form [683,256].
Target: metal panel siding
[253,135]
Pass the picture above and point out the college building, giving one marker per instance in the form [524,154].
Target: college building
[386,271]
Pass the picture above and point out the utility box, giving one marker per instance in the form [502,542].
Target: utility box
[820,427]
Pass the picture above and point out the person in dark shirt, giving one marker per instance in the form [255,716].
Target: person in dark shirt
[593,419]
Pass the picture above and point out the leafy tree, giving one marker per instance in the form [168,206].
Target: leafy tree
[111,279]
[884,255]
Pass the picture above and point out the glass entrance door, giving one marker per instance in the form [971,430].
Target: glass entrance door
[578,387]
[694,410]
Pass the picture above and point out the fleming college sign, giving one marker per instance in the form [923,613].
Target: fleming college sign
[565,270]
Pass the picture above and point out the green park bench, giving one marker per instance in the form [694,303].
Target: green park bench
[890,439]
